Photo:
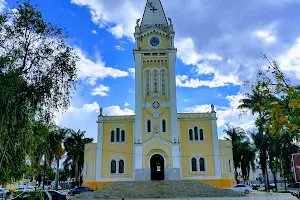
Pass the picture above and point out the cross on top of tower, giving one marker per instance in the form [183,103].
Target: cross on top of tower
[154,14]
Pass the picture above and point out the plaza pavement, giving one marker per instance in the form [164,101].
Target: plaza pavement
[256,196]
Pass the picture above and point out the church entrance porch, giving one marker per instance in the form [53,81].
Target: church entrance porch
[157,167]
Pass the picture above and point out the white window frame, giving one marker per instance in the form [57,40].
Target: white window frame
[146,126]
[115,134]
[198,156]
[147,72]
[165,81]
[161,125]
[198,127]
[117,158]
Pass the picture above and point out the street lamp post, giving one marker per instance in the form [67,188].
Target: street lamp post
[285,180]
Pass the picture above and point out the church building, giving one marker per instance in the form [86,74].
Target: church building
[157,143]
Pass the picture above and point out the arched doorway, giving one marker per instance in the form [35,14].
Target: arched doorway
[157,166]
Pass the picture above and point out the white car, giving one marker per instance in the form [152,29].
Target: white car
[241,188]
[3,191]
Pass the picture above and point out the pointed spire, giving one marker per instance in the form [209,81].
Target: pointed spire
[154,14]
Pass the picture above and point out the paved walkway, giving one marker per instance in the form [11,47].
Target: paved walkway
[256,196]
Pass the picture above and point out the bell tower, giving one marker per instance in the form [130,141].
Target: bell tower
[155,82]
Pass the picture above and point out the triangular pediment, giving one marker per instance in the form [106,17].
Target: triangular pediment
[154,14]
[156,137]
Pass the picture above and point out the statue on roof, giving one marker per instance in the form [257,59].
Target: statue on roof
[137,22]
[170,20]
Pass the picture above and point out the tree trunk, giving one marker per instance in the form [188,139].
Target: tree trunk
[76,171]
[275,181]
[44,173]
[57,174]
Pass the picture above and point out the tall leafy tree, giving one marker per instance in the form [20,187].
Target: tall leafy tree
[74,145]
[243,152]
[37,75]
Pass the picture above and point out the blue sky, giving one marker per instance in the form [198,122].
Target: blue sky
[219,46]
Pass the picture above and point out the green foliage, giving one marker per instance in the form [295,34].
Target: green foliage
[37,75]
[243,151]
[74,146]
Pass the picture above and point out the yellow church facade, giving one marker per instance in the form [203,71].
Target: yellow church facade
[157,143]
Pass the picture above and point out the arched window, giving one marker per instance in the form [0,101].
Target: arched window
[191,134]
[229,165]
[164,126]
[113,167]
[196,133]
[147,74]
[202,164]
[118,135]
[149,126]
[112,136]
[163,81]
[155,80]
[201,134]
[122,136]
[194,164]
[121,166]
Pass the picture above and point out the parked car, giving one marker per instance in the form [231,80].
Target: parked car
[33,194]
[3,192]
[255,186]
[57,195]
[242,188]
[79,190]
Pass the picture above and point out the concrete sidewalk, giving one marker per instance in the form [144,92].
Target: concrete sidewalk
[256,196]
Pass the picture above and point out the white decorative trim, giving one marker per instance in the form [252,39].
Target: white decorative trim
[138,96]
[115,179]
[138,157]
[99,149]
[176,160]
[133,159]
[160,139]
[154,47]
[157,80]
[216,148]
[172,90]
[161,125]
[149,163]
[201,177]
[117,158]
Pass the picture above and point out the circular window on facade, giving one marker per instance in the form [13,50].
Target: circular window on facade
[154,41]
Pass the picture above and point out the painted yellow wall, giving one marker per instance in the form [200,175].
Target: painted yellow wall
[123,149]
[188,148]
[164,41]
[157,147]
[225,147]
[90,160]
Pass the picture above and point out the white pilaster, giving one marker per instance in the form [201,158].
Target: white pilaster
[138,96]
[176,155]
[99,149]
[216,145]
[138,156]
[172,78]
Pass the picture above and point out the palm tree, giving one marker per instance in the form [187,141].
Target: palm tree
[254,102]
[74,146]
[56,146]
[237,136]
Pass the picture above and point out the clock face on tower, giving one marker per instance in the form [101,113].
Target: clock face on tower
[154,41]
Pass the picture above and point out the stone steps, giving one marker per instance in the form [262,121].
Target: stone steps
[158,189]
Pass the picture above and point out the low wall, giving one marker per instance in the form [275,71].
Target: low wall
[220,183]
[97,185]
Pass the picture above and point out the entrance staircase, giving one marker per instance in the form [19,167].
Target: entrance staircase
[158,189]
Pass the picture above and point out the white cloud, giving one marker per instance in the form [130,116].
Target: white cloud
[227,115]
[217,81]
[117,111]
[266,36]
[132,72]
[186,100]
[94,32]
[2,5]
[126,104]
[95,70]
[119,48]
[101,90]
[131,91]
[84,118]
